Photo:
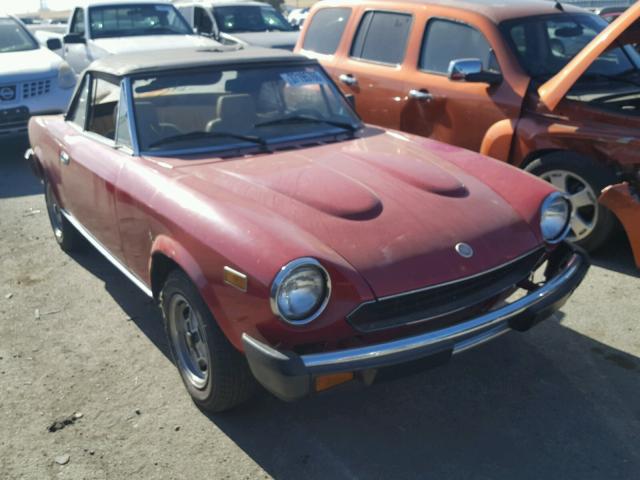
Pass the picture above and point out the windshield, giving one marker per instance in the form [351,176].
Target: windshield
[131,19]
[14,38]
[545,44]
[229,109]
[250,18]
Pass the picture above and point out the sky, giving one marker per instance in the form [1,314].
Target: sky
[24,6]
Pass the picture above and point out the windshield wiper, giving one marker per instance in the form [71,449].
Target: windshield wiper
[202,135]
[308,119]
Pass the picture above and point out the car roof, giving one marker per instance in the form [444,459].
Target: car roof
[192,58]
[104,3]
[223,3]
[495,10]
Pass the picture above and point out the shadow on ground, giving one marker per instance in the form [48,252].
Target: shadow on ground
[16,179]
[550,403]
[617,256]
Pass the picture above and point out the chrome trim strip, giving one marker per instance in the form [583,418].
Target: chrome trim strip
[128,92]
[464,335]
[107,254]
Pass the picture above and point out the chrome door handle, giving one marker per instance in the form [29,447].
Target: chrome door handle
[64,158]
[348,79]
[420,95]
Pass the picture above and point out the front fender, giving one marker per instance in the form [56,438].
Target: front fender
[622,201]
[498,140]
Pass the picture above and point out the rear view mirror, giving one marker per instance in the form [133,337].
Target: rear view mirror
[73,38]
[568,32]
[471,70]
[54,44]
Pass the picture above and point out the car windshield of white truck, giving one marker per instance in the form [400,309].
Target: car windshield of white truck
[131,19]
[14,38]
[238,108]
[250,18]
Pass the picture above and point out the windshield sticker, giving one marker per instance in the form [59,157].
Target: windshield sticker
[302,78]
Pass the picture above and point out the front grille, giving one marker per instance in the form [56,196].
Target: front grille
[36,88]
[444,305]
[13,119]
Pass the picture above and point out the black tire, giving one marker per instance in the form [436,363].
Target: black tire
[227,380]
[588,235]
[65,234]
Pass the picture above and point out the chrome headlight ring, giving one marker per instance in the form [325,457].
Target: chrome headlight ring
[555,218]
[288,274]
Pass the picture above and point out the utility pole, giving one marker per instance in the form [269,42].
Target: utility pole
[43,6]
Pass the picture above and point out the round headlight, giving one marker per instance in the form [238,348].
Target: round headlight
[66,76]
[300,292]
[555,215]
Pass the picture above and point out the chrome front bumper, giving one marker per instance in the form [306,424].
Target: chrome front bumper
[290,376]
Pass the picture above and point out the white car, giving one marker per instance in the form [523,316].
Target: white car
[297,16]
[33,79]
[245,23]
[98,29]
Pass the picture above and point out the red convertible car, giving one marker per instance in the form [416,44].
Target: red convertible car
[284,240]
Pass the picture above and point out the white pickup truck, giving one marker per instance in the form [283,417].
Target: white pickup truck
[97,29]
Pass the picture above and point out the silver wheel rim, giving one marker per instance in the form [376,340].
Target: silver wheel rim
[55,214]
[189,341]
[584,202]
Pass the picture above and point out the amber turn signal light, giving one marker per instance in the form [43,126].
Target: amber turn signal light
[235,279]
[326,382]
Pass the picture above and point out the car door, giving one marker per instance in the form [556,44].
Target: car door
[75,44]
[92,160]
[373,71]
[456,112]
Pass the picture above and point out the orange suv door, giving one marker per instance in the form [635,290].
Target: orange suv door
[372,67]
[456,112]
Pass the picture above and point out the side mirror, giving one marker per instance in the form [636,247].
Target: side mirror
[54,44]
[74,38]
[471,70]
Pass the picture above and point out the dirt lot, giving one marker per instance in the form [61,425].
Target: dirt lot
[559,402]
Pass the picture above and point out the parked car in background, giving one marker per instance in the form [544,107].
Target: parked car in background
[284,240]
[491,77]
[298,16]
[33,80]
[246,23]
[98,29]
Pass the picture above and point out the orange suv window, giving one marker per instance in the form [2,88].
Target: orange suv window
[445,41]
[382,37]
[325,30]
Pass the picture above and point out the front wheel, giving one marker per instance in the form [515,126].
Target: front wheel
[66,235]
[583,181]
[215,374]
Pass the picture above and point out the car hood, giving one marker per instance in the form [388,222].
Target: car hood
[625,29]
[152,42]
[392,209]
[30,64]
[286,40]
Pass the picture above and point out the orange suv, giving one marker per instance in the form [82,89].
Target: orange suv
[550,88]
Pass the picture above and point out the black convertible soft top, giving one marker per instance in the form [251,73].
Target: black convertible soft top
[191,58]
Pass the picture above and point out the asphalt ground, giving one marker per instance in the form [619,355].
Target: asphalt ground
[561,401]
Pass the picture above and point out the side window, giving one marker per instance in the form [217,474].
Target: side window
[78,110]
[77,22]
[325,30]
[202,21]
[382,37]
[123,134]
[103,110]
[446,40]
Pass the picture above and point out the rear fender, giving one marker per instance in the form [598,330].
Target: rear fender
[625,204]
